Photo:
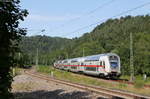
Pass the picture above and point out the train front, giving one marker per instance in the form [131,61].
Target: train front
[114,61]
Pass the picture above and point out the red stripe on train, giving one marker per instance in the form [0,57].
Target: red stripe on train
[84,65]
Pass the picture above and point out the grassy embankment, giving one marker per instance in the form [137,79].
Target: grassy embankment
[138,79]
[64,75]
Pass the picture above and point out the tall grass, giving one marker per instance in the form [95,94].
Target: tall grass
[64,75]
[139,82]
[44,69]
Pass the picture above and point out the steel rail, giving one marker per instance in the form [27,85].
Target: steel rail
[117,81]
[105,92]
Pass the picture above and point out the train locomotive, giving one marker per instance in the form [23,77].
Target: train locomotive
[102,65]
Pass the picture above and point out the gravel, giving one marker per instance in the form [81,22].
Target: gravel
[27,87]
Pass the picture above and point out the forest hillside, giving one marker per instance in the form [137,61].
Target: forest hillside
[110,36]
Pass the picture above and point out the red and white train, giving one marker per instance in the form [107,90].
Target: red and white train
[102,65]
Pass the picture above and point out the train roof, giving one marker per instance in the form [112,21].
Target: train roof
[79,59]
[89,58]
[97,57]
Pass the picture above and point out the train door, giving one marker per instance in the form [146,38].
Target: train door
[102,66]
[82,67]
[97,63]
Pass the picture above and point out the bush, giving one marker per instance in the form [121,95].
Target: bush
[139,82]
[16,71]
[122,85]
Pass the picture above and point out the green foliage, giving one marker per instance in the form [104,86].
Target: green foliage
[139,82]
[125,77]
[10,35]
[44,69]
[110,36]
[16,71]
[122,85]
[114,36]
[87,80]
[64,75]
[47,48]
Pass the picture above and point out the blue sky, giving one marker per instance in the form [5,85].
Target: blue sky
[63,17]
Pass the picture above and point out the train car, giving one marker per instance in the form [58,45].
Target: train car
[75,64]
[102,65]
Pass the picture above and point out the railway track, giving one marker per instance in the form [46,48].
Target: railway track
[117,81]
[104,92]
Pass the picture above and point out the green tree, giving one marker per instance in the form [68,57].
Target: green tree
[110,36]
[10,35]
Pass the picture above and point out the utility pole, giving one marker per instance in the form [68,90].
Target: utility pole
[83,51]
[37,51]
[37,54]
[19,58]
[67,55]
[131,58]
[19,54]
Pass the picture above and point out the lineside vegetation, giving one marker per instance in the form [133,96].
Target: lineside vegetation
[110,36]
[69,76]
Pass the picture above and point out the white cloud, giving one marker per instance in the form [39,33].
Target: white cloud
[45,18]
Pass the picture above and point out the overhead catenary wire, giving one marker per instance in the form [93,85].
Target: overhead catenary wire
[87,13]
[94,10]
[124,12]
[40,31]
[78,18]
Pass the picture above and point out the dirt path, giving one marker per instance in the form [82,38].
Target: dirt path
[27,87]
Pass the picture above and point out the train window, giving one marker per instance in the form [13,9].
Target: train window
[113,58]
[73,61]
[73,67]
[91,68]
[65,66]
[90,60]
[65,62]
[114,64]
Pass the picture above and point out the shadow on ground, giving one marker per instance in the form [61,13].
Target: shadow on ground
[56,94]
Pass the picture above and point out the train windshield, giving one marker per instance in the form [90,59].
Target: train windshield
[114,64]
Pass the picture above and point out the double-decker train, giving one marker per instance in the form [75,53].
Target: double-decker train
[102,65]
